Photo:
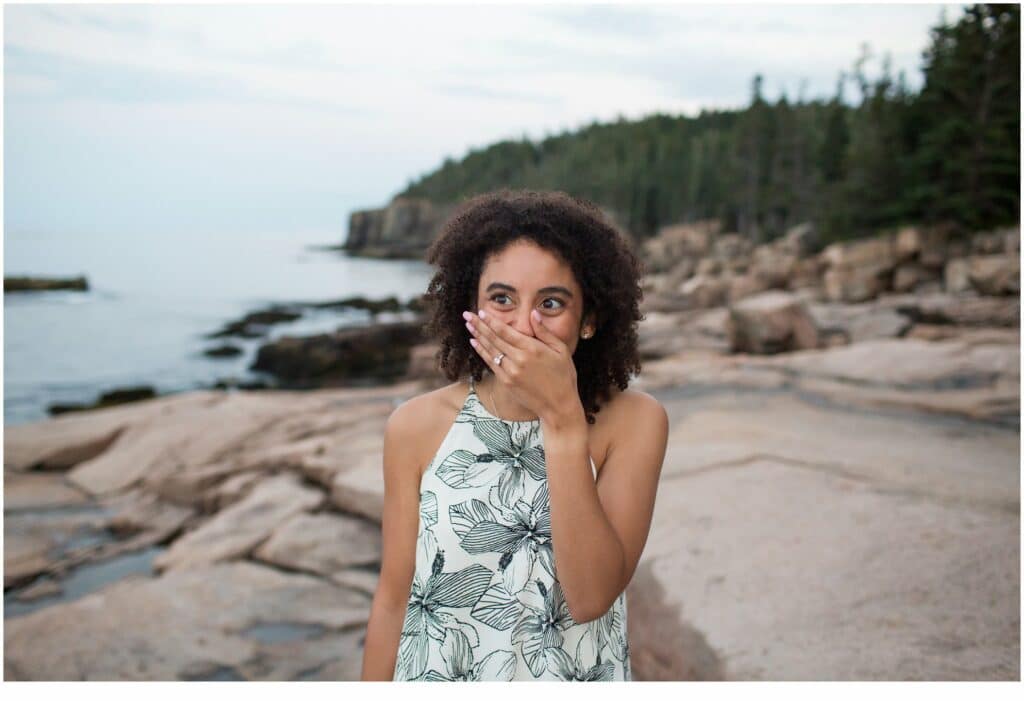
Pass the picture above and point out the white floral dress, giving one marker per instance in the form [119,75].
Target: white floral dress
[485,601]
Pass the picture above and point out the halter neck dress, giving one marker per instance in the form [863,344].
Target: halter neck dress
[485,602]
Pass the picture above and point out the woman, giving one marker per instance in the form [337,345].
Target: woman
[517,502]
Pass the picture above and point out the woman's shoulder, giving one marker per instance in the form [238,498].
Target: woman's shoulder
[428,408]
[421,421]
[629,404]
[618,419]
[627,409]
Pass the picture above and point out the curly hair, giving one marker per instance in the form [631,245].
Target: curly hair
[573,229]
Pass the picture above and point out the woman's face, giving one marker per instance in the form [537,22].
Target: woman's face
[523,277]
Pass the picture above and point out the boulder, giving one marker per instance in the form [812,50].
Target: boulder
[878,253]
[807,272]
[659,335]
[728,247]
[854,284]
[959,310]
[1005,240]
[907,276]
[853,323]
[709,267]
[909,242]
[771,322]
[681,272]
[360,580]
[321,543]
[773,267]
[160,441]
[187,486]
[957,275]
[672,243]
[690,239]
[938,245]
[995,275]
[878,323]
[742,286]
[231,490]
[703,291]
[912,364]
[667,301]
[379,351]
[237,529]
[359,489]
[1011,240]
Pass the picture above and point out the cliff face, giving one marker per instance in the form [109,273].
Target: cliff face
[403,229]
[407,225]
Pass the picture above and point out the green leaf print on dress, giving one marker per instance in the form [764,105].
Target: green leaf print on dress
[513,452]
[428,509]
[545,616]
[609,631]
[424,615]
[521,532]
[457,654]
[580,669]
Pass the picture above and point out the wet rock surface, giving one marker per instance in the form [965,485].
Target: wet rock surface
[380,351]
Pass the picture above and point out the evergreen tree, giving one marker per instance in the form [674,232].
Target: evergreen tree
[950,153]
[968,163]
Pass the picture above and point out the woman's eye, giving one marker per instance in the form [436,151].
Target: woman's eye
[497,297]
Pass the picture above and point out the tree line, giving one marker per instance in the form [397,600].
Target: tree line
[948,153]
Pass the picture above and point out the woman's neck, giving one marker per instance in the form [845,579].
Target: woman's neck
[507,408]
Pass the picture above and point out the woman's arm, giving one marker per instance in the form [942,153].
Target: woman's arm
[398,558]
[599,530]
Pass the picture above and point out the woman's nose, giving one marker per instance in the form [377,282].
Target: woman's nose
[521,322]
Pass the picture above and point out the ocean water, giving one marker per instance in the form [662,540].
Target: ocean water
[153,298]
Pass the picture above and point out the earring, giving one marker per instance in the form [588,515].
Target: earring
[585,334]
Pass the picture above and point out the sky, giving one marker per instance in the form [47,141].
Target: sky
[235,119]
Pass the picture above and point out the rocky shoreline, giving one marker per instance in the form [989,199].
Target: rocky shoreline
[840,498]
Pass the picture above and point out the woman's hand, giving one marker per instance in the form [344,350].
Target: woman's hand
[537,371]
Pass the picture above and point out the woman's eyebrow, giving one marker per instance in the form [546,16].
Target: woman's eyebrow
[544,290]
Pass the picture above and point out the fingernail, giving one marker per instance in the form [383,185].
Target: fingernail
[466,315]
[481,314]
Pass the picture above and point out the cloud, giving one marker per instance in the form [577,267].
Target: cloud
[230,102]
[616,21]
[47,75]
[486,93]
[375,58]
[81,79]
